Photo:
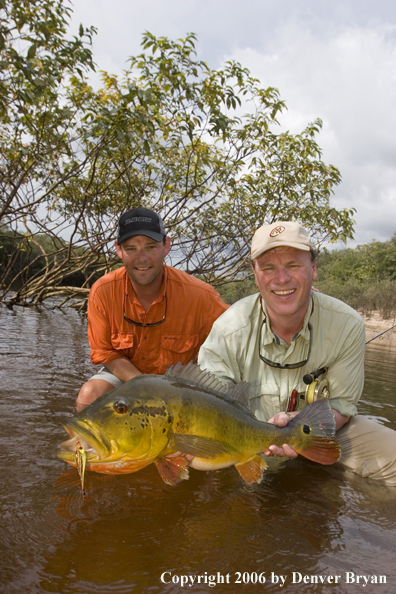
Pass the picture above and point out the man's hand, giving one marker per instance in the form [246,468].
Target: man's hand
[281,420]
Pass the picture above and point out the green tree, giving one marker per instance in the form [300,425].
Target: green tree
[37,61]
[197,145]
[363,277]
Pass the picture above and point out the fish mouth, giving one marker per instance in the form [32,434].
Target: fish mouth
[101,454]
[89,437]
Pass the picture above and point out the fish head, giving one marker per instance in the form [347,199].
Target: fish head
[119,433]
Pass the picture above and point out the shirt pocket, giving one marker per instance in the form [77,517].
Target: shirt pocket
[179,348]
[265,400]
[179,343]
[124,342]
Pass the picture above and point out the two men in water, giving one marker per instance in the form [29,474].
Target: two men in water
[144,316]
[147,316]
[274,338]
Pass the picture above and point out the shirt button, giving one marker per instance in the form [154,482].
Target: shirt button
[144,337]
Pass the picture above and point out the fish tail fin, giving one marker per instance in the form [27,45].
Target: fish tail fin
[315,428]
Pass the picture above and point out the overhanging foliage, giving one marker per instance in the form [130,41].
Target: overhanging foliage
[198,145]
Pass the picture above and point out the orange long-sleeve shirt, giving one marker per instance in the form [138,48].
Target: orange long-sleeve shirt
[191,308]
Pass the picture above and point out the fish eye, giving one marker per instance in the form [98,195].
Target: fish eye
[121,407]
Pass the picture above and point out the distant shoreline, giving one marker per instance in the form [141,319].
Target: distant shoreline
[376,324]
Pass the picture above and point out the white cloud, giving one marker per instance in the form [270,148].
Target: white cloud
[348,80]
[334,59]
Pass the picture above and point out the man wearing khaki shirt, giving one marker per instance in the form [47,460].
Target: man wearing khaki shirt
[274,338]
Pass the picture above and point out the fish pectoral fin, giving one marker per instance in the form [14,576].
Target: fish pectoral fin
[173,469]
[252,471]
[194,445]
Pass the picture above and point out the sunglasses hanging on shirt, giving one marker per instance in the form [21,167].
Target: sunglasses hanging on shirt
[139,324]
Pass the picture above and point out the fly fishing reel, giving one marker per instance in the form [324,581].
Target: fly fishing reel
[316,388]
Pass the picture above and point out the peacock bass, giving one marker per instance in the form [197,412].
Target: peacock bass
[161,419]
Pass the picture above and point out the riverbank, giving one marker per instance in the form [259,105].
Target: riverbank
[376,324]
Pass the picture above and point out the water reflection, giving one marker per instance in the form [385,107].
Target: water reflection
[131,529]
[135,527]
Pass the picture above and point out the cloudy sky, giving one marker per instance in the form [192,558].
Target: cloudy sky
[332,59]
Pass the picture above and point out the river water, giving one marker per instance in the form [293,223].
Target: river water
[133,533]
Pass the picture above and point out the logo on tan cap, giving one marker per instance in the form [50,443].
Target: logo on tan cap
[280,234]
[277,231]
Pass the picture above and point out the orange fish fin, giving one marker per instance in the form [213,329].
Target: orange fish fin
[252,471]
[322,450]
[173,469]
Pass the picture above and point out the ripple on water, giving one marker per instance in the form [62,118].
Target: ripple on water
[303,517]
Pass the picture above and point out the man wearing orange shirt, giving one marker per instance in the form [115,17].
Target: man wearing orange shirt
[145,316]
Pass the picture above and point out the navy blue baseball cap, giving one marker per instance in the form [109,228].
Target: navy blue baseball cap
[140,221]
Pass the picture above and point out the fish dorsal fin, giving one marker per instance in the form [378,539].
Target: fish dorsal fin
[241,393]
[193,375]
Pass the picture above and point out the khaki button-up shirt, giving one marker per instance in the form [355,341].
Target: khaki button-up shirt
[231,352]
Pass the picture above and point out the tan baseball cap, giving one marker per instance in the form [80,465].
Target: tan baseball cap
[281,233]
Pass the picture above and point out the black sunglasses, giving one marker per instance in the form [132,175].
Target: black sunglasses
[139,323]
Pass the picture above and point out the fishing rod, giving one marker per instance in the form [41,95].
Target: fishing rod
[317,388]
[380,334]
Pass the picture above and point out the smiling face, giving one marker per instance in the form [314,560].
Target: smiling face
[284,277]
[143,259]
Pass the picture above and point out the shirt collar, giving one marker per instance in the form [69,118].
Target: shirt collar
[304,332]
[268,336]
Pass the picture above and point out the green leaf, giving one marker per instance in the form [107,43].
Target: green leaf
[162,136]
[32,51]
[146,147]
